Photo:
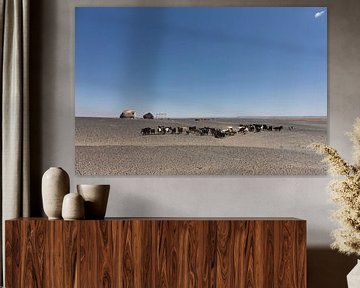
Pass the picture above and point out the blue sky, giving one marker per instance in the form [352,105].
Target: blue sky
[201,62]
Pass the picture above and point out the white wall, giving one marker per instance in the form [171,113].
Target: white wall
[53,123]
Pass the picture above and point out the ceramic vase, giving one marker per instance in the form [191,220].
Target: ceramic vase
[73,207]
[55,185]
[96,198]
[353,278]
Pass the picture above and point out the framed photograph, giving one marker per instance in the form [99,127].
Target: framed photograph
[200,90]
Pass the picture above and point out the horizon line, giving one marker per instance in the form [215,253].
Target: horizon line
[216,117]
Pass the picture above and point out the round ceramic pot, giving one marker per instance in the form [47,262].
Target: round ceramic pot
[55,185]
[96,198]
[73,207]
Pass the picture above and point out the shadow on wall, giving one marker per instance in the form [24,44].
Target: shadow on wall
[328,268]
[36,62]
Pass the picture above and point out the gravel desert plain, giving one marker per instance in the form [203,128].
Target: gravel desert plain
[113,146]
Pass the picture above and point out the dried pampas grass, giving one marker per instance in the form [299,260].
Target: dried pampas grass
[345,192]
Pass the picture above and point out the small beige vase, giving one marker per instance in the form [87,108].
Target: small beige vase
[55,185]
[96,198]
[73,207]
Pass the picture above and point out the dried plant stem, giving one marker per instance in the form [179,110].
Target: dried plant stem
[345,192]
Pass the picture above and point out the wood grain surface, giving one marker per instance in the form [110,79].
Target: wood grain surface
[161,252]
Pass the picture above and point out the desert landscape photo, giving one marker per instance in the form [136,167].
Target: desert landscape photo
[169,91]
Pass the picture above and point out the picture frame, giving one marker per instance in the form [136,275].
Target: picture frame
[201,161]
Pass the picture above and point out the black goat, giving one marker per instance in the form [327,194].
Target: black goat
[146,131]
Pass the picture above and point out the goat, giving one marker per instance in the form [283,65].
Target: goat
[146,131]
[219,134]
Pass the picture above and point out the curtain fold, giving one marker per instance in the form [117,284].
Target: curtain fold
[15,166]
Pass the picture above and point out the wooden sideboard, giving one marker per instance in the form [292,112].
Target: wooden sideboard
[156,252]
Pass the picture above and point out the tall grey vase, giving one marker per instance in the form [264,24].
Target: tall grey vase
[55,185]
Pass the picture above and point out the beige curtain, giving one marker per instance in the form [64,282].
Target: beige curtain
[14,38]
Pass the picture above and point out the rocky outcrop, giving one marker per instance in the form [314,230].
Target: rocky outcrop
[148,116]
[128,114]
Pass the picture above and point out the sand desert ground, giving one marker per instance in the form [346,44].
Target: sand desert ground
[113,146]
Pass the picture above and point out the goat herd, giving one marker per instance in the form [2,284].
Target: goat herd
[217,133]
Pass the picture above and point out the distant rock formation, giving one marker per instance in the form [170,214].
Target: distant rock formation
[148,116]
[128,114]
